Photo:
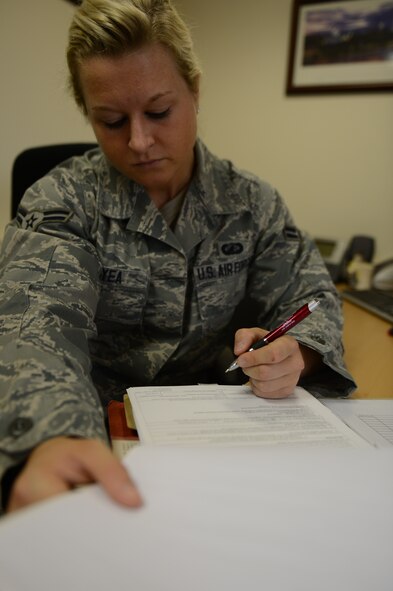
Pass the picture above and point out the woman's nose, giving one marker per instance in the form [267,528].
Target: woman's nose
[141,138]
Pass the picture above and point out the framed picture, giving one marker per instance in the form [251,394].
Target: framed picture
[341,46]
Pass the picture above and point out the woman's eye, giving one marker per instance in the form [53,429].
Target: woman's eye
[159,114]
[114,124]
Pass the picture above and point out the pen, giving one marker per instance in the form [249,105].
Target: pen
[292,321]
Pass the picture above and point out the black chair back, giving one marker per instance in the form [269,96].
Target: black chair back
[34,163]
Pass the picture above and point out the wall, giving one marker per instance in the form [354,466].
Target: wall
[35,108]
[329,156]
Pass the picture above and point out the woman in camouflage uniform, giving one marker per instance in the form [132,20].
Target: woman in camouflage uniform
[129,265]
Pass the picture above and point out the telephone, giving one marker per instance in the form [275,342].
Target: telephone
[338,253]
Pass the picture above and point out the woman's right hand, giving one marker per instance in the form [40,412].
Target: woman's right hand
[61,464]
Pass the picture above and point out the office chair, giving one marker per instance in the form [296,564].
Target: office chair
[33,163]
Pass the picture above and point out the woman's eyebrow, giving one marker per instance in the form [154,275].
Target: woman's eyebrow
[159,95]
[152,99]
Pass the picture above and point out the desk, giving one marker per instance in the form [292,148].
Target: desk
[368,355]
[368,352]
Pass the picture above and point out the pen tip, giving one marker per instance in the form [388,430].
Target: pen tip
[313,304]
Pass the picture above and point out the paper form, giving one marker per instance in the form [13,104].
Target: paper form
[227,415]
[121,447]
[215,519]
[371,419]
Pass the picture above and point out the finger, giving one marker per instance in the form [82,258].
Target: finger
[61,464]
[275,353]
[245,337]
[29,488]
[268,356]
[275,394]
[104,468]
[291,367]
[277,388]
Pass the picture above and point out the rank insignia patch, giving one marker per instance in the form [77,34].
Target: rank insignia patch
[291,233]
[33,219]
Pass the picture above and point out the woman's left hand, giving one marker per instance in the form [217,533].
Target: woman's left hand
[274,370]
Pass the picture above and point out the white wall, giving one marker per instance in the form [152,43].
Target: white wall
[35,107]
[330,156]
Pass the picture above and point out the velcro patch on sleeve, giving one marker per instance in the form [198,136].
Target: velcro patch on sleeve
[291,233]
[32,220]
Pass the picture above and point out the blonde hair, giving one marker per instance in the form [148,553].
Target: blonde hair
[115,27]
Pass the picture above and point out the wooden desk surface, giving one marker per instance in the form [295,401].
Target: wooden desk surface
[368,352]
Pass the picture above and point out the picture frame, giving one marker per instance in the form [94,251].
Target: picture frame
[340,46]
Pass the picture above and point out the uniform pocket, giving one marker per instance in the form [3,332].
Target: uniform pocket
[123,297]
[220,288]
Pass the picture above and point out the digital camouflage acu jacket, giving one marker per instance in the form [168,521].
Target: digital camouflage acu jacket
[97,293]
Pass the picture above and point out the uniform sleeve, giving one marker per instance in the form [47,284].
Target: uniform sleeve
[48,298]
[287,272]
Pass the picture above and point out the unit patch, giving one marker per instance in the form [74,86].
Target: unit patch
[229,248]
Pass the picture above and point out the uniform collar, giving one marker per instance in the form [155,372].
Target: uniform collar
[120,198]
[211,193]
[215,181]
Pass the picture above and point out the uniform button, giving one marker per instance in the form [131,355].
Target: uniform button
[19,426]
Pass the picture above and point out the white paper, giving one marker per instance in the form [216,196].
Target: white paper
[371,419]
[120,447]
[215,519]
[211,414]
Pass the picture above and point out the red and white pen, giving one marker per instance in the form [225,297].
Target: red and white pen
[292,321]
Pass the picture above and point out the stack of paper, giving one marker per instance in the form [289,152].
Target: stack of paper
[211,414]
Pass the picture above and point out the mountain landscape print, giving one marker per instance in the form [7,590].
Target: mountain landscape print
[348,32]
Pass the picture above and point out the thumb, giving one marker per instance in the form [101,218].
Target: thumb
[246,337]
[243,341]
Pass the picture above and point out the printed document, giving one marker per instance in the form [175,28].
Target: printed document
[228,415]
[371,419]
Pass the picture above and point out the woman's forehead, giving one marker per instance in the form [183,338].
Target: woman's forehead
[149,73]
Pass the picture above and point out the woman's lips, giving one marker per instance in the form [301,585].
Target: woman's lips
[148,163]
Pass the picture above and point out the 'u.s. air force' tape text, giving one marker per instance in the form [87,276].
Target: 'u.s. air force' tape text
[226,269]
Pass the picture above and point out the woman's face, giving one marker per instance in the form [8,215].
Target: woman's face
[144,117]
